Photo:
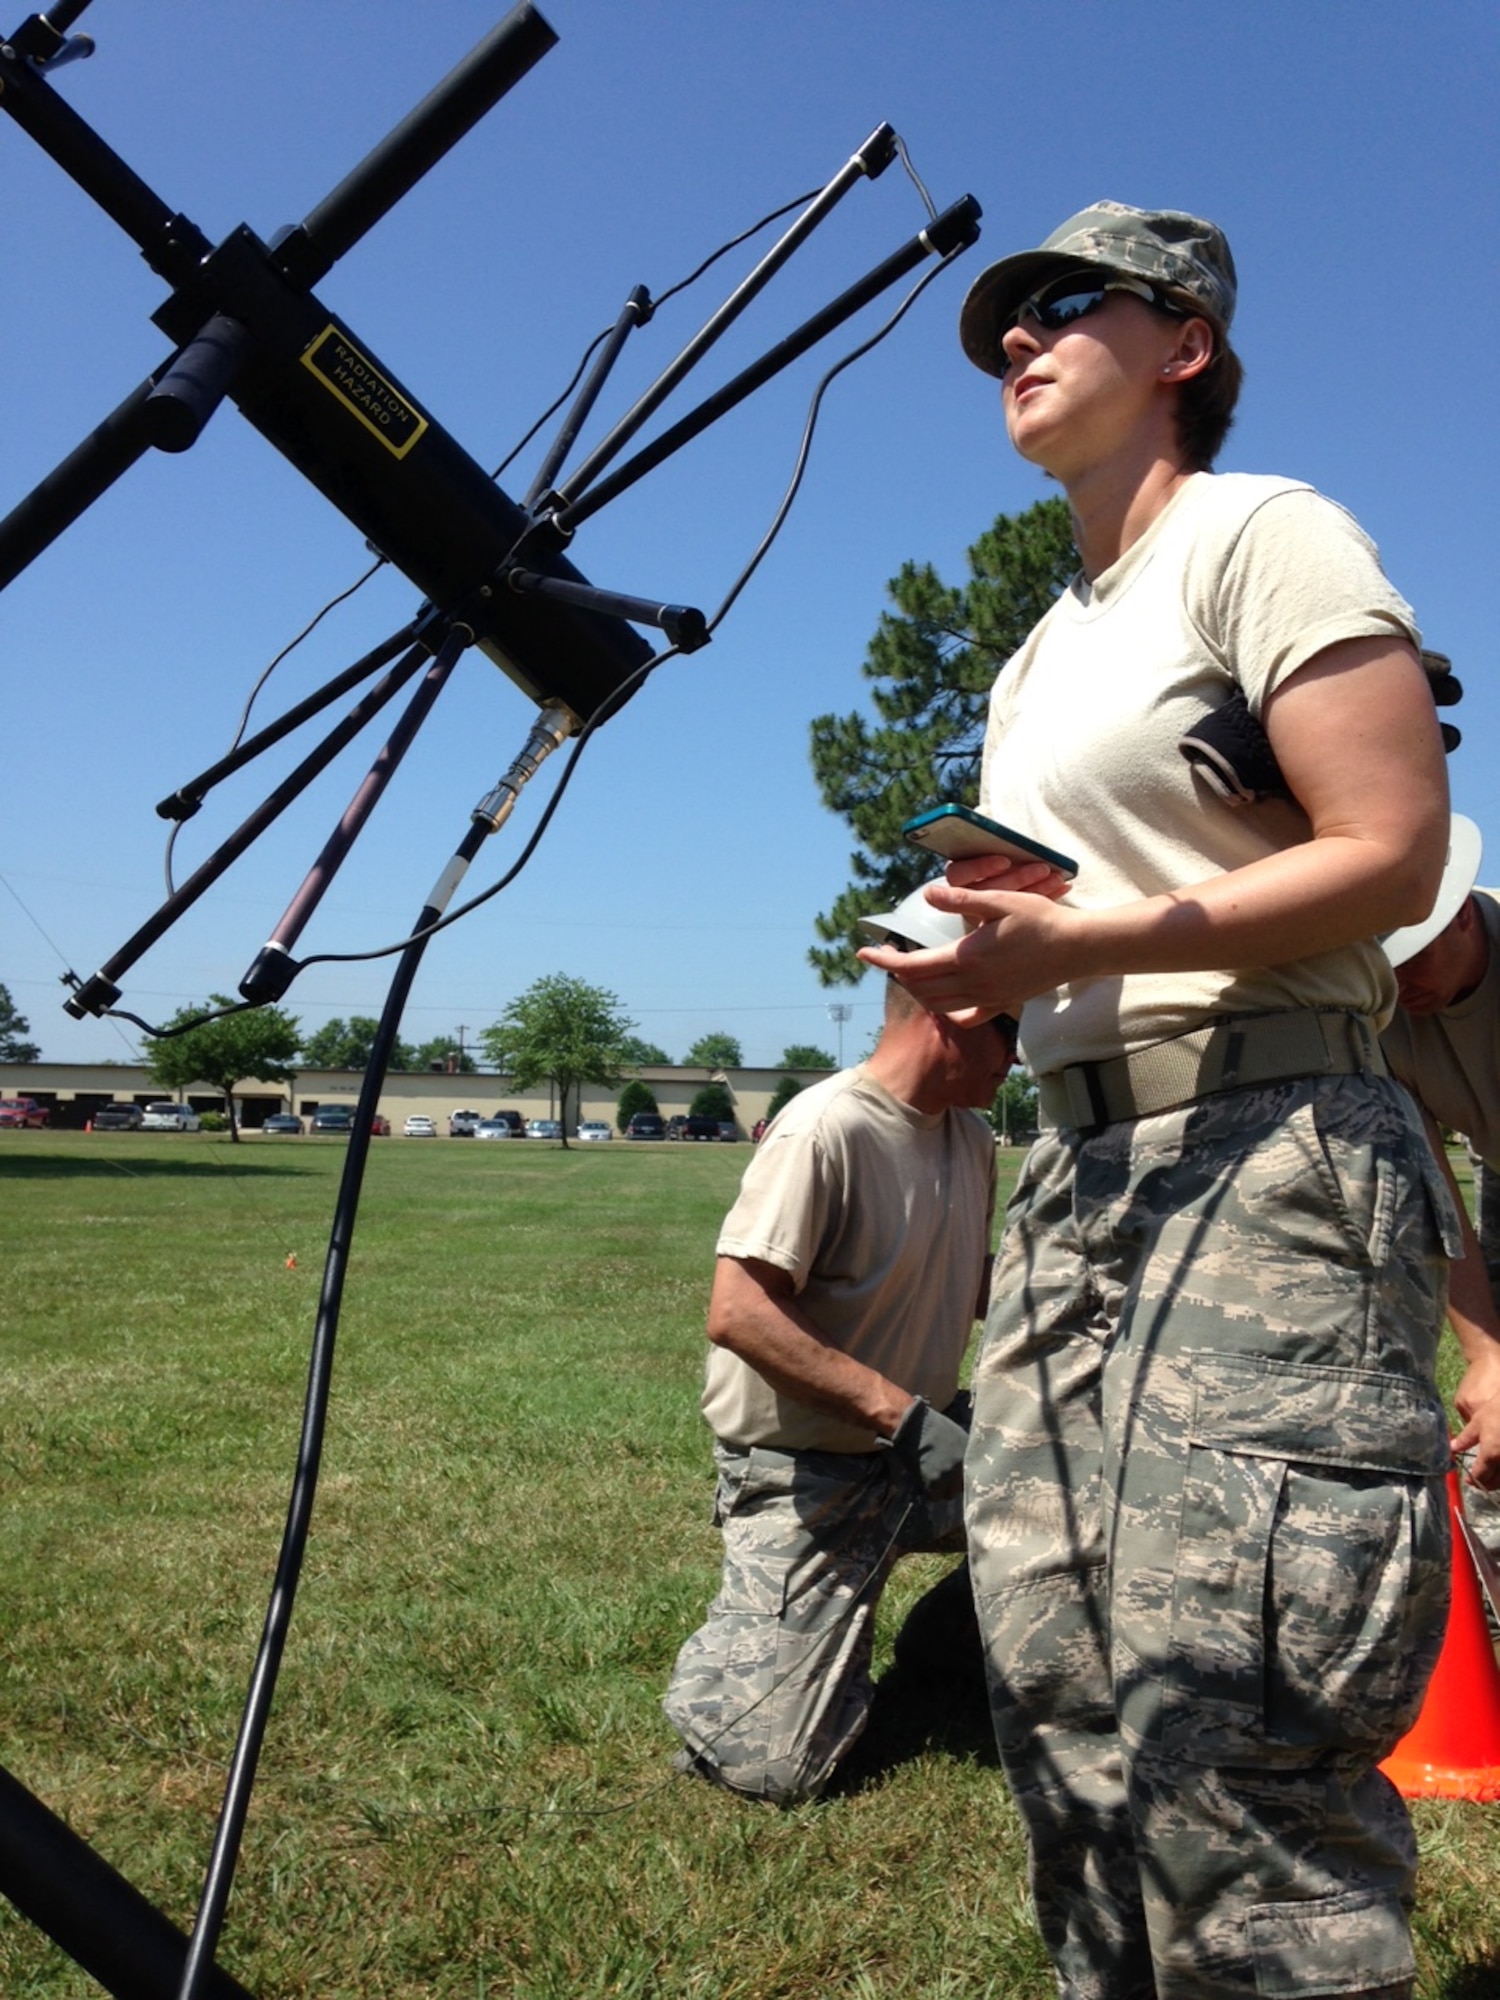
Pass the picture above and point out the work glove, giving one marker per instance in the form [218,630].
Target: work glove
[931,1447]
[1231,752]
[961,1410]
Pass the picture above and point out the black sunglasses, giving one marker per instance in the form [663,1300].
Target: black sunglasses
[1062,301]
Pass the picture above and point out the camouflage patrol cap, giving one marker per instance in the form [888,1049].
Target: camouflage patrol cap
[1163,246]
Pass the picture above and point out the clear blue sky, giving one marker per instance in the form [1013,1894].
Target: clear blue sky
[1349,150]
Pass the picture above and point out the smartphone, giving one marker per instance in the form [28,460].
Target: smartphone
[956,834]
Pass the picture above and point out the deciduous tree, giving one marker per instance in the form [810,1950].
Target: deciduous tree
[932,663]
[443,1053]
[260,1042]
[713,1101]
[715,1051]
[782,1095]
[347,1044]
[1014,1111]
[806,1055]
[643,1055]
[562,1031]
[636,1096]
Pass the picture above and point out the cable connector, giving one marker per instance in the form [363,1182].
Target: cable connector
[553,726]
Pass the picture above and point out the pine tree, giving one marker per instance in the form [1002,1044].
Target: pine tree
[13,1026]
[933,661]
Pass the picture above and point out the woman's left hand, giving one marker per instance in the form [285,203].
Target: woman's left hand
[998,871]
[1481,1436]
[1478,1400]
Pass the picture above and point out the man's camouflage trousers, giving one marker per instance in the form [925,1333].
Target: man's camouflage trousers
[1209,1536]
[773,1689]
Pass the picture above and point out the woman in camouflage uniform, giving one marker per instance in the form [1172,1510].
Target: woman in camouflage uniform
[1206,1514]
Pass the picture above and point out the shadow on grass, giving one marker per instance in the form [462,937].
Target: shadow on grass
[1479,1981]
[914,1715]
[57,1167]
[933,1697]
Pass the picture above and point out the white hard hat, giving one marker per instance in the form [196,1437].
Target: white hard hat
[915,921]
[1459,876]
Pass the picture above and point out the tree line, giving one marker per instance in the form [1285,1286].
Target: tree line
[561,1031]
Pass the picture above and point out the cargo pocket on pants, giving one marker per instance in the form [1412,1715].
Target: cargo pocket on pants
[1301,1950]
[1312,1564]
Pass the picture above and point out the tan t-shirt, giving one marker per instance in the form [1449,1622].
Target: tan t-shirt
[881,1214]
[1451,1061]
[1241,579]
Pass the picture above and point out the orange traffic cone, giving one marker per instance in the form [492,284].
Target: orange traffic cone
[1452,1750]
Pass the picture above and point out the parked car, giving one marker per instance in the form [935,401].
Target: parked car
[728,1130]
[494,1128]
[515,1121]
[419,1126]
[333,1118]
[676,1124]
[700,1128]
[544,1128]
[169,1117]
[462,1124]
[647,1125]
[282,1122]
[594,1128]
[21,1111]
[118,1118]
[380,1126]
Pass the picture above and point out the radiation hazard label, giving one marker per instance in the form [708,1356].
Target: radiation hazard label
[364,391]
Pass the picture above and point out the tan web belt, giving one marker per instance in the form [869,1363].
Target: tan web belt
[1233,1054]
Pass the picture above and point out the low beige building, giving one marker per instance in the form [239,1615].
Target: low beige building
[73,1092]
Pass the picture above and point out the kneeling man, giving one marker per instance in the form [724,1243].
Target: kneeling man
[850,1271]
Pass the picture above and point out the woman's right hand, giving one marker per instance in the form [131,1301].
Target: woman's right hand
[1017,947]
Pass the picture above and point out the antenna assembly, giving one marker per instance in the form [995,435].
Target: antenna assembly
[246,326]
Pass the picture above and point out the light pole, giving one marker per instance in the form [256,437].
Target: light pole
[840,1011]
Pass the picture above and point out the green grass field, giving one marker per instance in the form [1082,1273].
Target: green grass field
[466,1788]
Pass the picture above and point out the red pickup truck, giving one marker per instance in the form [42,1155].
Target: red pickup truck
[18,1111]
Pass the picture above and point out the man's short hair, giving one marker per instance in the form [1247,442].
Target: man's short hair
[900,1004]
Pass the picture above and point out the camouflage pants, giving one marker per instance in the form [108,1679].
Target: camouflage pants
[773,1689]
[1208,1536]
